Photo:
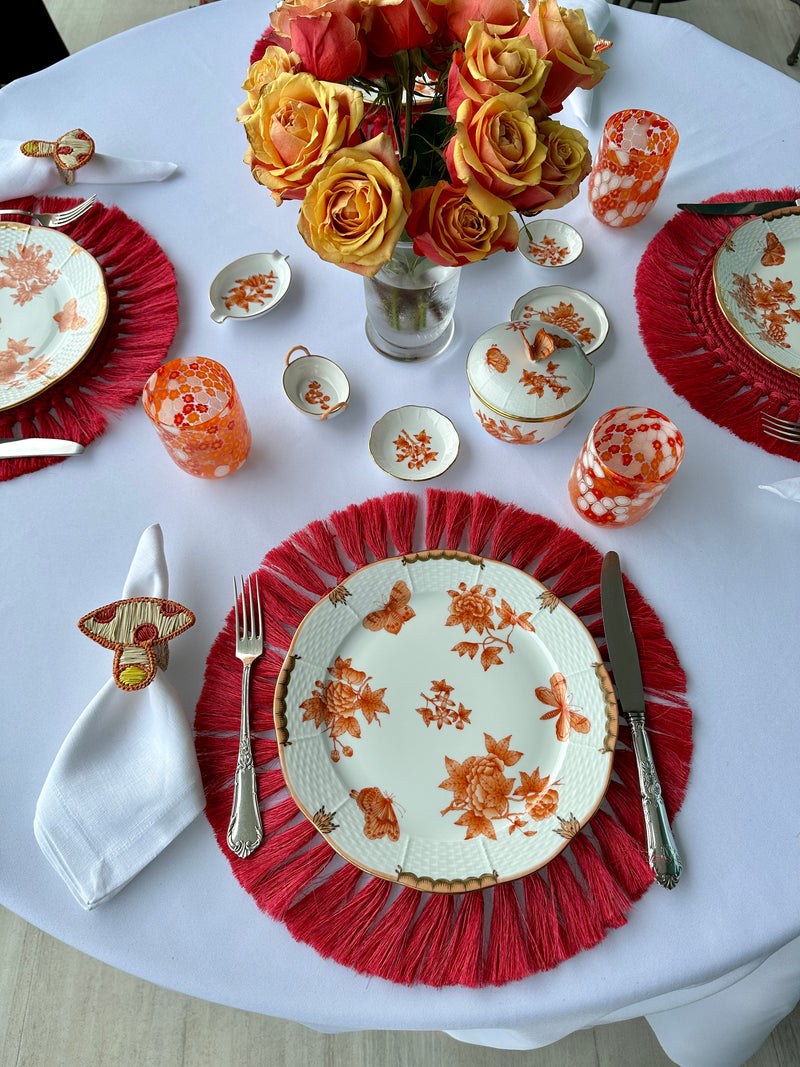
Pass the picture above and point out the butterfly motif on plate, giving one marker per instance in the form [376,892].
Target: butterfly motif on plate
[394,613]
[774,252]
[567,718]
[380,819]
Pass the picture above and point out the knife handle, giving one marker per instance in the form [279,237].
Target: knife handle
[661,849]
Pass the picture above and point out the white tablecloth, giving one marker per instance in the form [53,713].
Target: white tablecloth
[717,559]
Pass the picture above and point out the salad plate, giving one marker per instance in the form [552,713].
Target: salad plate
[53,303]
[756,281]
[414,443]
[445,721]
[571,309]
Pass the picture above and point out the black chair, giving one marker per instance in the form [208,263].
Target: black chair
[791,59]
[42,44]
[656,4]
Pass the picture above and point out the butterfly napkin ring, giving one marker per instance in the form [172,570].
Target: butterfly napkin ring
[138,630]
[71,151]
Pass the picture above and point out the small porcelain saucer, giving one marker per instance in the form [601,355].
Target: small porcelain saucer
[571,309]
[315,385]
[414,443]
[550,243]
[249,286]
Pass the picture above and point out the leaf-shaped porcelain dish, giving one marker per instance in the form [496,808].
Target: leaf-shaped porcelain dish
[53,303]
[249,286]
[757,283]
[445,721]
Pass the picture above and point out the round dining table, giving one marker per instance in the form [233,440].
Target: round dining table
[714,964]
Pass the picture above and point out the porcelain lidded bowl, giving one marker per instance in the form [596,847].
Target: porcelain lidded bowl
[527,380]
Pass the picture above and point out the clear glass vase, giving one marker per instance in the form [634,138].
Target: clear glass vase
[410,305]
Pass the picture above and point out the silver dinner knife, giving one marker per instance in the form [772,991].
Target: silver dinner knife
[16,448]
[750,207]
[624,658]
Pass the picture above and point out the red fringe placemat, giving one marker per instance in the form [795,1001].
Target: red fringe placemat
[485,937]
[689,339]
[141,323]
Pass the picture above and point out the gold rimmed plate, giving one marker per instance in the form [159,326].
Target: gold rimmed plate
[757,285]
[53,303]
[414,443]
[445,721]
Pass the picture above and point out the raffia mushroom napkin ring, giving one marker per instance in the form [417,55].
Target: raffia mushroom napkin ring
[125,781]
[71,151]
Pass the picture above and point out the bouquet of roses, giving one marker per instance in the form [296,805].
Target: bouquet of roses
[432,118]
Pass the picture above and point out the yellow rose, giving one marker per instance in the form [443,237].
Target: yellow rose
[566,164]
[563,36]
[297,124]
[275,61]
[490,65]
[356,207]
[496,153]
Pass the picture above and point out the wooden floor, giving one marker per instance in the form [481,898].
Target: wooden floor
[55,998]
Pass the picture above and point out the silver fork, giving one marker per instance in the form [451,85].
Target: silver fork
[53,219]
[245,831]
[781,429]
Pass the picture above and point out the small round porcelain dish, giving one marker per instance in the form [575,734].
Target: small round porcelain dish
[550,242]
[571,309]
[249,286]
[414,443]
[527,380]
[315,384]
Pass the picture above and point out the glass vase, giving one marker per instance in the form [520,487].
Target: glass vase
[410,305]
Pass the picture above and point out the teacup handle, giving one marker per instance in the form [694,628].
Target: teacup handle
[332,411]
[302,348]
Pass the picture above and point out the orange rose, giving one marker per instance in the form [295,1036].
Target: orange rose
[275,61]
[503,17]
[567,163]
[356,207]
[326,34]
[296,126]
[402,24]
[563,36]
[496,152]
[490,65]
[449,229]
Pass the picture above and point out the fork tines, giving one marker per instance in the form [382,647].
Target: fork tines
[781,429]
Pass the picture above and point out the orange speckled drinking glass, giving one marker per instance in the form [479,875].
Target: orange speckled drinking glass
[631,163]
[627,461]
[198,415]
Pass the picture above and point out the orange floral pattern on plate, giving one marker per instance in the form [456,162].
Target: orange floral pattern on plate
[13,372]
[482,790]
[548,251]
[768,304]
[27,272]
[440,708]
[568,318]
[415,451]
[334,705]
[474,610]
[257,289]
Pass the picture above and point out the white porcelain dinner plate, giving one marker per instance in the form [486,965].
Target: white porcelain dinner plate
[445,721]
[756,280]
[53,303]
[573,310]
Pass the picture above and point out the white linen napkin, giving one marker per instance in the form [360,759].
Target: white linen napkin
[597,16]
[28,176]
[126,780]
[789,489]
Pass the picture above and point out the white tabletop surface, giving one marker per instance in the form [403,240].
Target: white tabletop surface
[717,559]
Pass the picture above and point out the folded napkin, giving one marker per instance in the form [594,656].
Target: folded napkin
[789,489]
[126,781]
[22,175]
[582,100]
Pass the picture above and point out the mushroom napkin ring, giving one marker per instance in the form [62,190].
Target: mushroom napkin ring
[138,630]
[71,151]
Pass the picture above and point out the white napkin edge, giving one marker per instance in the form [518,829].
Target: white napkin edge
[787,488]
